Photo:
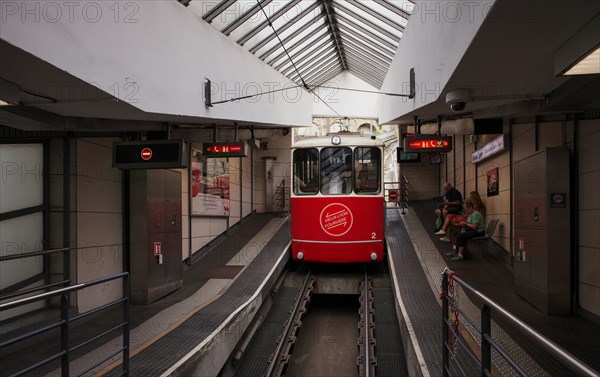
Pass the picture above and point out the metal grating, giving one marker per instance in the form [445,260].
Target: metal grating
[255,360]
[391,359]
[363,34]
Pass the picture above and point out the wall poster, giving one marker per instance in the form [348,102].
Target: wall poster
[209,193]
[493,182]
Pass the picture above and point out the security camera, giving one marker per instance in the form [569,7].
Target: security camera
[458,98]
[458,106]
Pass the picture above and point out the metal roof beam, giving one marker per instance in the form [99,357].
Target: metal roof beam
[365,78]
[315,66]
[245,17]
[287,25]
[369,23]
[289,38]
[326,76]
[311,51]
[400,12]
[367,64]
[311,62]
[368,49]
[213,13]
[366,74]
[323,50]
[366,41]
[359,68]
[265,23]
[370,62]
[383,41]
[294,46]
[377,15]
[361,63]
[321,71]
[332,27]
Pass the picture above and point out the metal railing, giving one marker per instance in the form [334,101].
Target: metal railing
[397,192]
[282,196]
[66,349]
[403,192]
[65,252]
[451,334]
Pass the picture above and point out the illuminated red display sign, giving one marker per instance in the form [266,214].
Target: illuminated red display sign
[150,154]
[224,150]
[429,143]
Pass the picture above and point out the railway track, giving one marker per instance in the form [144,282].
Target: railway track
[308,331]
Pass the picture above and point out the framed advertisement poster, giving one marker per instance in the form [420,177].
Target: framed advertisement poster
[209,192]
[492,182]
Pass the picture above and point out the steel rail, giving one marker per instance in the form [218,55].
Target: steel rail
[274,364]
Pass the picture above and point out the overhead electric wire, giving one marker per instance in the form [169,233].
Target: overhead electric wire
[312,91]
[304,84]
[281,43]
[362,90]
[257,94]
[292,61]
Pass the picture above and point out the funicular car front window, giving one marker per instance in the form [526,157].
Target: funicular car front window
[336,170]
[367,162]
[306,171]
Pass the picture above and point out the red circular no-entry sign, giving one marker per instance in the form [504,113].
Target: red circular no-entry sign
[393,195]
[146,154]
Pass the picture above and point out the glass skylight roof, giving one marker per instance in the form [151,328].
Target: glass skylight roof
[322,37]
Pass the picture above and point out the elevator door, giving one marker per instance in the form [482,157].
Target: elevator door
[542,230]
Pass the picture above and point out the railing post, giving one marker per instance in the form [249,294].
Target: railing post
[64,334]
[403,192]
[282,195]
[486,349]
[126,290]
[445,329]
[402,199]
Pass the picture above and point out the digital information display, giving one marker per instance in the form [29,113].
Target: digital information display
[429,143]
[224,150]
[150,154]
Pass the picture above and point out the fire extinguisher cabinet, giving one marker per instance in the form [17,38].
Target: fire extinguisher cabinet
[155,234]
[542,263]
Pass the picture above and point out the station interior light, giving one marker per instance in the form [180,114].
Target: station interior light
[580,54]
[587,65]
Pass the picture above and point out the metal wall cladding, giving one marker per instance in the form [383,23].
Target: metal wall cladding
[542,230]
[155,207]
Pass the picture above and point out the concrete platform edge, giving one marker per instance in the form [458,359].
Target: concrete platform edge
[414,357]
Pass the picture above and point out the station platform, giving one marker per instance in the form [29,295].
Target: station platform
[418,257]
[193,330]
[221,291]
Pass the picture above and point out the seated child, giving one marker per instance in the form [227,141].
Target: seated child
[439,222]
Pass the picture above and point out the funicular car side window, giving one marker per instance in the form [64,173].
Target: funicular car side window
[367,170]
[336,170]
[306,171]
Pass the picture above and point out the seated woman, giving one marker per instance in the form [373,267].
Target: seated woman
[473,227]
[455,219]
